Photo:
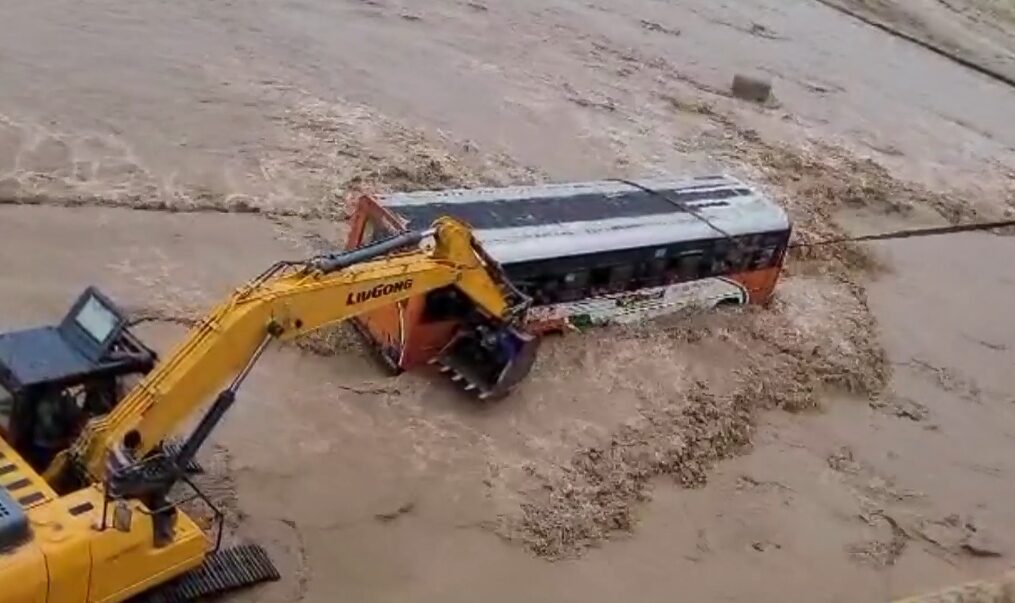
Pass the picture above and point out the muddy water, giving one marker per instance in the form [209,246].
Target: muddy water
[194,102]
[371,515]
[367,488]
[373,489]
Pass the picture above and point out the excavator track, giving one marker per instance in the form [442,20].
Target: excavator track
[222,571]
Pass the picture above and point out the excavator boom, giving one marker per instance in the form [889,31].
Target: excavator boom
[291,300]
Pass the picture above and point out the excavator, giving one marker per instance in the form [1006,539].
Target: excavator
[97,507]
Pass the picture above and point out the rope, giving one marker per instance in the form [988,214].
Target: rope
[911,233]
[951,56]
[898,234]
[679,204]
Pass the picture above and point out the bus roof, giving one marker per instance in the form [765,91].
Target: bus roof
[526,223]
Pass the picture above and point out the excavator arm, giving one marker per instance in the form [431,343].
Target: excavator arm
[289,300]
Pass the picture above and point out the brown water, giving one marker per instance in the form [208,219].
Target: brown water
[196,101]
[313,463]
[280,105]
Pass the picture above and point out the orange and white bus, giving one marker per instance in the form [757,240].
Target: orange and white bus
[586,253]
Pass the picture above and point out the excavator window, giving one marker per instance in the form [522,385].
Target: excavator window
[96,319]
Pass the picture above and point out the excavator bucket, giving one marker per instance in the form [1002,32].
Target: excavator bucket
[488,360]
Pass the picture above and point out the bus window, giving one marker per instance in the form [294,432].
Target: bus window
[575,285]
[653,271]
[578,279]
[737,257]
[367,236]
[771,246]
[373,231]
[600,277]
[716,264]
[549,292]
[688,265]
[763,258]
[621,276]
[656,269]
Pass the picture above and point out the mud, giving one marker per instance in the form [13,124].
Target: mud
[815,337]
[215,480]
[340,147]
[986,591]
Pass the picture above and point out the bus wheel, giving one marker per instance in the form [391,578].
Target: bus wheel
[729,302]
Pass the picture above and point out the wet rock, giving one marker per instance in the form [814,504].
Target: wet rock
[751,88]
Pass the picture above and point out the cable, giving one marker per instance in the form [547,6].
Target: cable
[679,204]
[952,56]
[898,234]
[910,233]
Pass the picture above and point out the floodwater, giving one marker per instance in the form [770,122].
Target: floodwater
[368,488]
[196,101]
[320,449]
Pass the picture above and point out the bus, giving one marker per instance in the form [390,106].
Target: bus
[588,253]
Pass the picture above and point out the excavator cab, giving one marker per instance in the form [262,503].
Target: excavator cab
[54,378]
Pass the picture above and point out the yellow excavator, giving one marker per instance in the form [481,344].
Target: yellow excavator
[94,501]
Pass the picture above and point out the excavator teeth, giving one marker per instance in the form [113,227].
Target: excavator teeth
[457,377]
[445,368]
[470,387]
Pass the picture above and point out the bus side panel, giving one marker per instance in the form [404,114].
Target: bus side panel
[412,353]
[426,340]
[422,341]
[383,328]
[356,222]
[760,284]
[364,211]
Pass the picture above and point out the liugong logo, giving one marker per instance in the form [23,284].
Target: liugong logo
[359,297]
